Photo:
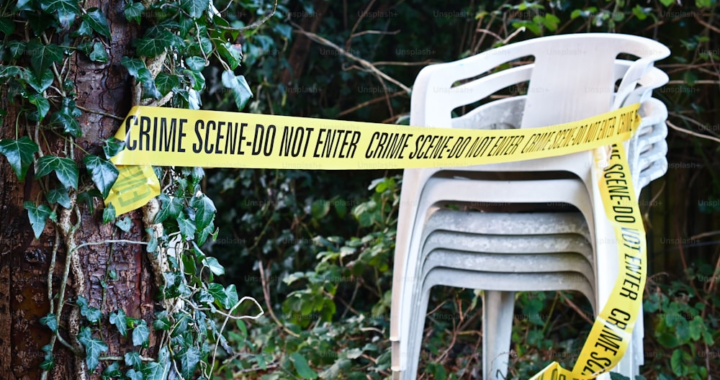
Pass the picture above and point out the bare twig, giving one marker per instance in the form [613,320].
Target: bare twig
[683,130]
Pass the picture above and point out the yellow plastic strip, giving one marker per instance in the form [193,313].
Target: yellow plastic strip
[176,137]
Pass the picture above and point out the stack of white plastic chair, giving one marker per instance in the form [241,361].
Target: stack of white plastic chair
[572,77]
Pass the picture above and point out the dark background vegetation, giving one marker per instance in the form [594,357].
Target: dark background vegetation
[316,247]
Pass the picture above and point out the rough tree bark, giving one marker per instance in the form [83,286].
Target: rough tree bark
[24,261]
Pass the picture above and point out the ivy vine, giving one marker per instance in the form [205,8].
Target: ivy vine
[40,39]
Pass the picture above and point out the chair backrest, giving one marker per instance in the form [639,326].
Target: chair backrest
[573,77]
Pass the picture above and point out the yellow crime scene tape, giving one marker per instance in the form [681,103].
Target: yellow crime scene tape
[177,137]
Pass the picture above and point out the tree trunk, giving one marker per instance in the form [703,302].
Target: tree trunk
[25,261]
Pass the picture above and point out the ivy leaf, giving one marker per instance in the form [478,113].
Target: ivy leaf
[301,365]
[59,195]
[97,22]
[38,216]
[113,370]
[103,173]
[69,123]
[148,85]
[166,82]
[90,313]
[151,47]
[112,147]
[195,63]
[214,266]
[66,10]
[205,211]
[195,7]
[134,375]
[187,227]
[49,362]
[197,79]
[189,361]
[134,11]
[171,208]
[42,56]
[50,321]
[64,168]
[7,25]
[232,297]
[16,49]
[93,348]
[153,243]
[677,363]
[240,89]
[19,154]
[109,213]
[230,53]
[161,321]
[132,359]
[118,319]
[84,30]
[154,371]
[218,292]
[42,83]
[133,65]
[124,224]
[42,105]
[140,334]
[696,328]
[98,53]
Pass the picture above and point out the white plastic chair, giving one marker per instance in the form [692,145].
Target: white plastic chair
[559,81]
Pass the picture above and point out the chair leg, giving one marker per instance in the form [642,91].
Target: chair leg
[498,310]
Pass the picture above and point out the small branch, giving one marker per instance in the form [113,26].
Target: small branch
[100,113]
[575,307]
[255,24]
[689,132]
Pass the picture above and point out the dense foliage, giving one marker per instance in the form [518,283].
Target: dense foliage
[318,247]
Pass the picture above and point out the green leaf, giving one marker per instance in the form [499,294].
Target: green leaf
[7,25]
[166,82]
[118,319]
[214,266]
[232,297]
[154,371]
[134,11]
[50,321]
[151,47]
[697,327]
[161,321]
[40,84]
[195,63]
[90,313]
[97,22]
[205,211]
[60,196]
[84,30]
[19,154]
[69,123]
[64,168]
[103,173]
[134,375]
[16,49]
[230,53]
[187,227]
[109,213]
[132,359]
[171,208]
[301,365]
[98,53]
[148,85]
[677,364]
[153,243]
[113,370]
[195,7]
[42,56]
[124,224]
[93,348]
[667,3]
[38,216]
[133,65]
[65,10]
[112,147]
[240,89]
[140,334]
[218,292]
[189,361]
[42,105]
